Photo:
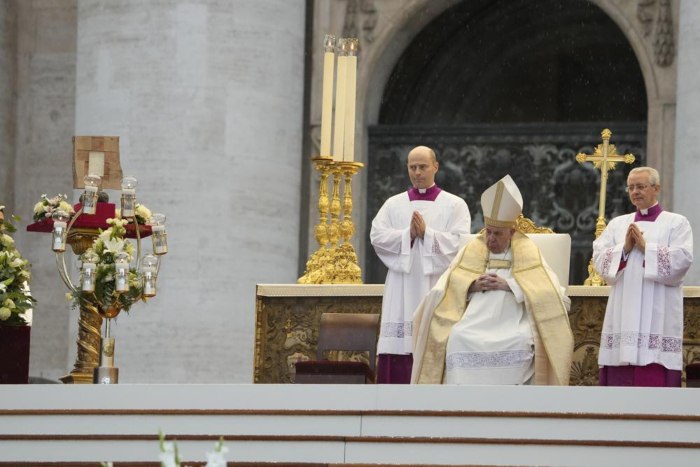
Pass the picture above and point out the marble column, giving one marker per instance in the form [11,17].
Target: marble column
[206,97]
[687,164]
[8,30]
[44,118]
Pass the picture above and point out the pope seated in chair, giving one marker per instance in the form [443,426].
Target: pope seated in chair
[498,315]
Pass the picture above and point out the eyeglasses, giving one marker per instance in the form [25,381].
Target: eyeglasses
[638,187]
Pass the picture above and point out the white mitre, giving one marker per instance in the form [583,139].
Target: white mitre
[502,203]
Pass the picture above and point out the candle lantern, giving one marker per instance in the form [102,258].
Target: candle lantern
[121,266]
[88,272]
[149,275]
[160,237]
[92,184]
[128,197]
[60,231]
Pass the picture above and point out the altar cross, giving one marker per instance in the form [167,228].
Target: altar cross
[604,158]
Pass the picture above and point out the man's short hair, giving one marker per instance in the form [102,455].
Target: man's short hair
[654,177]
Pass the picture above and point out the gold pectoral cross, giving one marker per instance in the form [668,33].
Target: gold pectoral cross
[604,158]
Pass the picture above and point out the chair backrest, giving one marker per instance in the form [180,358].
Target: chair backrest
[555,249]
[349,332]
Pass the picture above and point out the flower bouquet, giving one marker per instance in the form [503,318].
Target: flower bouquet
[15,298]
[45,208]
[15,308]
[115,285]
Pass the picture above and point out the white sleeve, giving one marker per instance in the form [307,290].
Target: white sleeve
[669,264]
[441,246]
[607,253]
[391,243]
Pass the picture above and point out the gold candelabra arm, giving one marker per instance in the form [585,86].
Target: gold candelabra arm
[60,256]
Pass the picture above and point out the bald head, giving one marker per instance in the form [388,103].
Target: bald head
[422,166]
[424,150]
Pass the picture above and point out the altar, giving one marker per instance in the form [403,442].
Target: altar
[287,317]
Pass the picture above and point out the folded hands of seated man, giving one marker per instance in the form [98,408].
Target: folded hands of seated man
[487,282]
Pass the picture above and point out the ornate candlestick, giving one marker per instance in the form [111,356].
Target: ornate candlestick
[347,269]
[318,261]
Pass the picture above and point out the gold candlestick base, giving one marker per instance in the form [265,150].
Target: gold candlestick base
[594,278]
[333,263]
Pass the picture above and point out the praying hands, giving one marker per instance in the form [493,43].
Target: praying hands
[634,238]
[417,225]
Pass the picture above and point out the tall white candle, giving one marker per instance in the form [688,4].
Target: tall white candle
[340,97]
[327,98]
[351,87]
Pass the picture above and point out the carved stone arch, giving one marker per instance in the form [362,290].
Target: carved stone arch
[659,78]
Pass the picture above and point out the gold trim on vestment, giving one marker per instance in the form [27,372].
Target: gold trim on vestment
[498,264]
[449,311]
[494,223]
[542,300]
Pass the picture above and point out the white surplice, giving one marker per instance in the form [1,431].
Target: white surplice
[414,269]
[493,342]
[644,316]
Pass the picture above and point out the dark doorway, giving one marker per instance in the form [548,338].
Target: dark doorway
[519,87]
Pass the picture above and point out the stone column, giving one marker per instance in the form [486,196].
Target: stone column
[686,189]
[44,118]
[8,30]
[207,100]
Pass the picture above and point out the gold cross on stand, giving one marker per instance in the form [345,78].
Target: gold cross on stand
[604,158]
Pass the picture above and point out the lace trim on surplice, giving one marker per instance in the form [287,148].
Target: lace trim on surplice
[501,359]
[664,261]
[641,341]
[607,259]
[398,330]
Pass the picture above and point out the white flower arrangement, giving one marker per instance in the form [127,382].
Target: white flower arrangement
[46,207]
[104,250]
[15,298]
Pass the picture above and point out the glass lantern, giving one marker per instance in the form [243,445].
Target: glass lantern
[129,197]
[60,231]
[149,274]
[92,184]
[121,269]
[160,237]
[88,272]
